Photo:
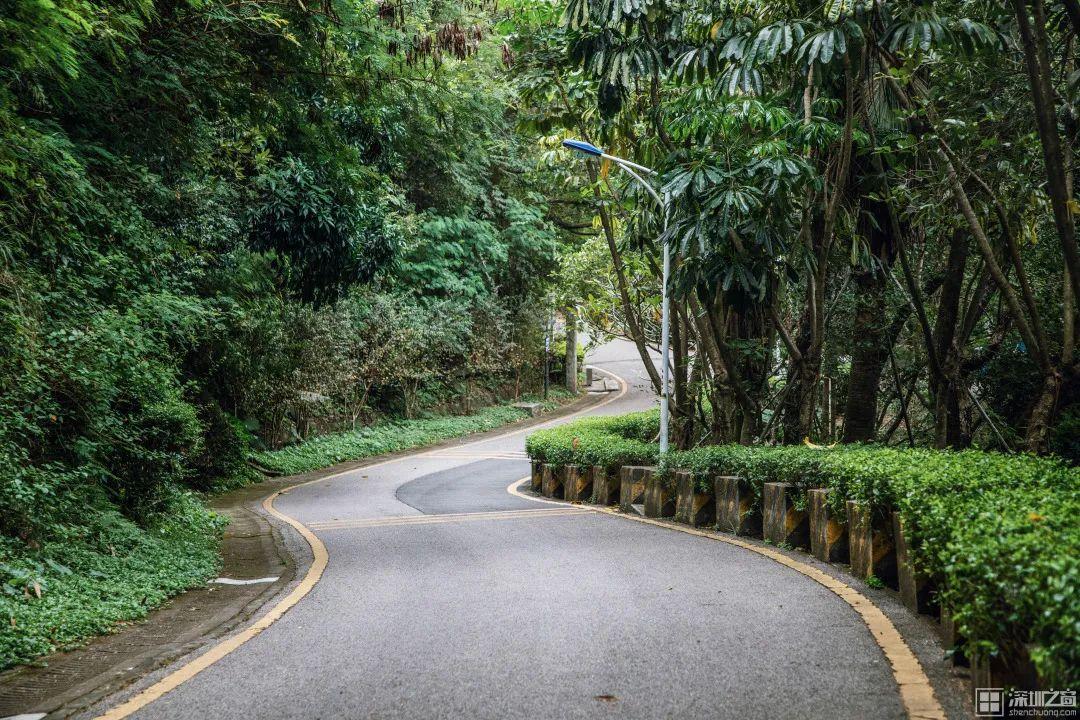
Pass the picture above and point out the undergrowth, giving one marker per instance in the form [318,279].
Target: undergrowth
[388,436]
[87,577]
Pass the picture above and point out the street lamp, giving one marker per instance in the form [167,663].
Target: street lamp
[632,169]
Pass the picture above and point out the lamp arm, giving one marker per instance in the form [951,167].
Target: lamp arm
[629,168]
[628,163]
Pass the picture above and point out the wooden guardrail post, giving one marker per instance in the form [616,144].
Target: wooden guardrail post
[871,543]
[916,589]
[551,481]
[632,486]
[782,523]
[577,483]
[1011,667]
[659,496]
[828,536]
[951,638]
[735,511]
[605,485]
[692,506]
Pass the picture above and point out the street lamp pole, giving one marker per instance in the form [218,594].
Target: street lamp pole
[633,169]
[550,326]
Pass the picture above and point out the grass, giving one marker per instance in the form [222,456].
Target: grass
[93,576]
[390,436]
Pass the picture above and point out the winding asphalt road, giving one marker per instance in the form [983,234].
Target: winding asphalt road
[446,596]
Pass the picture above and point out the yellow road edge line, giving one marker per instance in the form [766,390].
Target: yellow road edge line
[190,669]
[916,692]
[223,648]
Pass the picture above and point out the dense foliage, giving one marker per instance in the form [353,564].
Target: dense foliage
[869,202]
[227,225]
[88,576]
[998,533]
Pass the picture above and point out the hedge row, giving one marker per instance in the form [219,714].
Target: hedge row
[999,533]
[610,441]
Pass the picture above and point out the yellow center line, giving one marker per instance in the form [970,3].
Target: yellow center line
[476,456]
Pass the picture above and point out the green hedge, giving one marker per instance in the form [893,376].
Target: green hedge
[610,441]
[1001,533]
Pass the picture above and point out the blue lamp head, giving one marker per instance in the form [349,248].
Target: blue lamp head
[583,147]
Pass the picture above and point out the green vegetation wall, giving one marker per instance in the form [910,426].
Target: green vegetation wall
[222,220]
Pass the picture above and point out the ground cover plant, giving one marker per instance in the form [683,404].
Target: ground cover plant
[388,436]
[98,571]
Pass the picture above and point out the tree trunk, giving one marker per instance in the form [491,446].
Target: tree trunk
[682,408]
[1037,439]
[1036,53]
[571,351]
[946,390]
[868,357]
[799,402]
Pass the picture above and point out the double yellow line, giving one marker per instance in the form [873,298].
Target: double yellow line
[477,456]
[443,519]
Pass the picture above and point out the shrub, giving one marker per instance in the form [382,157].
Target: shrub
[222,454]
[606,441]
[999,532]
[1066,438]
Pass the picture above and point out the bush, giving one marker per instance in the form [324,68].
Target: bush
[999,532]
[1065,440]
[222,454]
[605,441]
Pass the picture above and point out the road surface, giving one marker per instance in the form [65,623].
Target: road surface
[445,596]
